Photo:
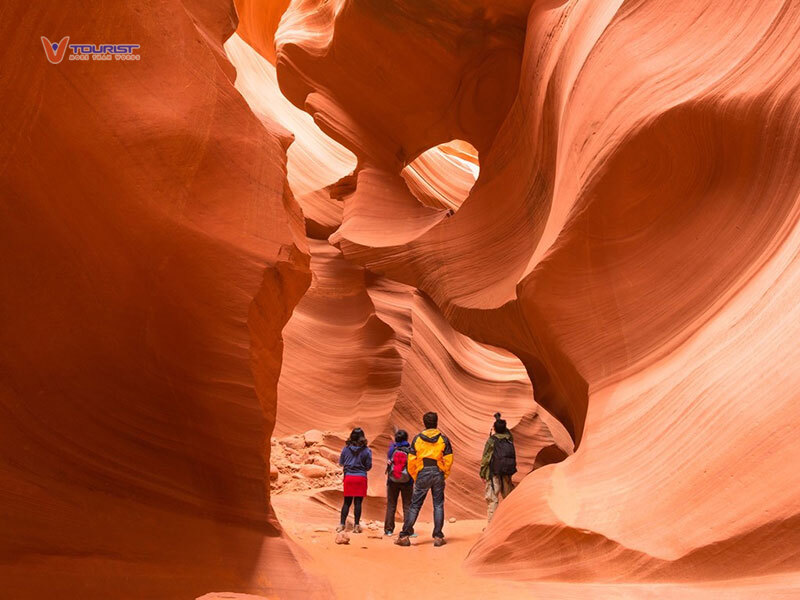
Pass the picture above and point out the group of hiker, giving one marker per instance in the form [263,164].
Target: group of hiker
[422,465]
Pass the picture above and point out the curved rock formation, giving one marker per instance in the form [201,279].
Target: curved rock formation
[151,254]
[341,366]
[618,276]
[366,350]
[631,238]
[465,383]
[369,352]
[258,21]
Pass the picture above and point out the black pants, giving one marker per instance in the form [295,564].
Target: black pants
[348,500]
[429,478]
[393,490]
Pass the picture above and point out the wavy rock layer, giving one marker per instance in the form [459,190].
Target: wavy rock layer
[465,383]
[150,254]
[631,238]
[341,365]
[368,351]
[387,358]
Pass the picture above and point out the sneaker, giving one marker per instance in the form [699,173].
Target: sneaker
[413,535]
[340,528]
[356,528]
[388,533]
[439,541]
[402,540]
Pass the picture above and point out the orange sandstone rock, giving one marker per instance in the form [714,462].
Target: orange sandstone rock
[631,238]
[149,258]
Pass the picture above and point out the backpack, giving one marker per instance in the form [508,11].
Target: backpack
[504,457]
[398,465]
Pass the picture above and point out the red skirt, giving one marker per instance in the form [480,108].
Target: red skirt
[355,485]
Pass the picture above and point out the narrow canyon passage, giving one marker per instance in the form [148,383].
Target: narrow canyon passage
[363,350]
[279,219]
[468,276]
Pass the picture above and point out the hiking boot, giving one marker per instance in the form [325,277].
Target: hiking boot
[439,541]
[340,528]
[402,540]
[356,528]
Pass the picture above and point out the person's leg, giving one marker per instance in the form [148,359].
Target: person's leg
[437,489]
[491,499]
[348,500]
[392,491]
[406,489]
[357,509]
[421,487]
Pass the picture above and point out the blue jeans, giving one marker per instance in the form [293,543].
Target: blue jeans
[429,478]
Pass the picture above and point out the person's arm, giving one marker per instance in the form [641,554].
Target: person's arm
[447,456]
[413,464]
[341,457]
[486,459]
[368,459]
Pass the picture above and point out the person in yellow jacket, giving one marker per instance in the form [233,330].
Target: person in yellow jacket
[429,463]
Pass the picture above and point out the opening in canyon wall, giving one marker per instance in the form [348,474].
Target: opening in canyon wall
[443,176]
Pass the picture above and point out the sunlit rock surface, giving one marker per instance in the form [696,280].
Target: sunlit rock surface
[632,238]
[363,350]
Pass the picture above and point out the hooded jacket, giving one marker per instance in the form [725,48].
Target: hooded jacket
[488,451]
[430,447]
[356,460]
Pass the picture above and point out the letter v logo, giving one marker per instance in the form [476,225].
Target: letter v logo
[55,52]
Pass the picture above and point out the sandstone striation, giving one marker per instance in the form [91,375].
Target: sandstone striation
[631,238]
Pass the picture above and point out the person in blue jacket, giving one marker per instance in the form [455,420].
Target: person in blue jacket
[356,460]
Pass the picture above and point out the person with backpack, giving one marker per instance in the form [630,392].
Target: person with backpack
[398,479]
[356,460]
[430,459]
[498,464]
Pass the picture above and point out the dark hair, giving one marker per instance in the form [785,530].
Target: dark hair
[357,438]
[499,424]
[401,435]
[430,420]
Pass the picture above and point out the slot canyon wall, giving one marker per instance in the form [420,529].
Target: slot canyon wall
[632,238]
[583,214]
[367,350]
[150,254]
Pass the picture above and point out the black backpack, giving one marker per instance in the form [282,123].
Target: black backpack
[504,457]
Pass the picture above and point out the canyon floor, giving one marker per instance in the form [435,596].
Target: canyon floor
[371,567]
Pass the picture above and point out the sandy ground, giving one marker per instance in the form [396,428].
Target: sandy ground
[375,568]
[372,567]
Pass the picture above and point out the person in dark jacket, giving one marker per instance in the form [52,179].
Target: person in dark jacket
[356,460]
[498,464]
[398,480]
